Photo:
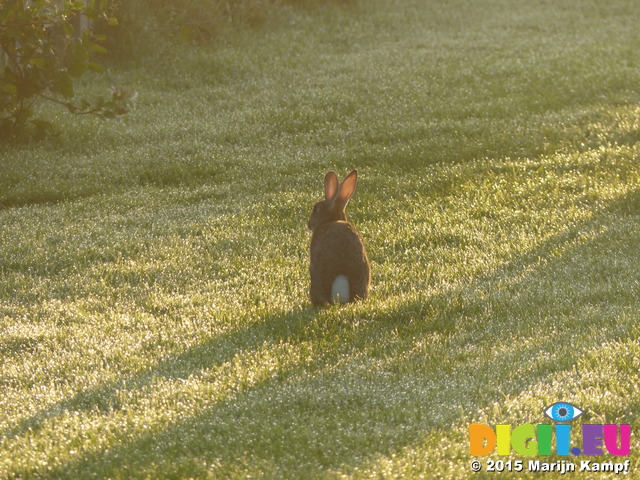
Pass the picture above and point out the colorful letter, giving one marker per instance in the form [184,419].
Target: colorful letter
[563,439]
[611,439]
[592,439]
[482,439]
[504,439]
[523,440]
[544,439]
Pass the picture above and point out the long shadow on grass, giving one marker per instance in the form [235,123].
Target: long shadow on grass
[376,392]
[216,351]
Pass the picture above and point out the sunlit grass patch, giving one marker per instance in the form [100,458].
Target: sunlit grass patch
[154,319]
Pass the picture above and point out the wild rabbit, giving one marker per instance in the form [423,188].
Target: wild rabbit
[339,267]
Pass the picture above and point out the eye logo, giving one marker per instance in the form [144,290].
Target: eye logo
[562,412]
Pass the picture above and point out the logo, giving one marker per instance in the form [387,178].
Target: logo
[562,412]
[547,439]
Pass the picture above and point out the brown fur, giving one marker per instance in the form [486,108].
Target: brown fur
[336,246]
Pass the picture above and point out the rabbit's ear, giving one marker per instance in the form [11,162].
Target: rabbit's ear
[330,185]
[347,189]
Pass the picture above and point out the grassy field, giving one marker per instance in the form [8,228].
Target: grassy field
[154,316]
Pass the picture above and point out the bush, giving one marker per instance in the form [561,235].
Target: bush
[43,51]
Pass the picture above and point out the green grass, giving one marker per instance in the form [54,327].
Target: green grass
[154,319]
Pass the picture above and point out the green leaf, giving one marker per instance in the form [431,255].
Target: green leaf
[98,49]
[10,88]
[77,67]
[79,56]
[38,62]
[96,67]
[68,29]
[76,5]
[64,85]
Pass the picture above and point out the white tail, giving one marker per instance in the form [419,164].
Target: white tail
[340,289]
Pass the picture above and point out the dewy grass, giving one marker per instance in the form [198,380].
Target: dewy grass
[154,319]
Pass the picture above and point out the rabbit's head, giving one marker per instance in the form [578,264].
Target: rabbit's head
[332,208]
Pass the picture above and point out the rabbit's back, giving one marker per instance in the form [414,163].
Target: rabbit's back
[338,241]
[337,249]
